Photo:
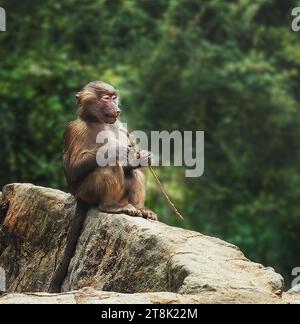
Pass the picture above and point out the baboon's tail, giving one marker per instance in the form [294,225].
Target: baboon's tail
[72,238]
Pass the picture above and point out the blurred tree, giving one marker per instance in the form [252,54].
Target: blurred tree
[231,69]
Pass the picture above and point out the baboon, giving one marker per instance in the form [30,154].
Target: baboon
[117,188]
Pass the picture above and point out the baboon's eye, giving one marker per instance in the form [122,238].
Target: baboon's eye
[114,97]
[105,97]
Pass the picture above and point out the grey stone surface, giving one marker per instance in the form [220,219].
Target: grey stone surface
[33,228]
[122,254]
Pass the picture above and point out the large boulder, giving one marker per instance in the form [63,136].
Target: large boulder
[122,254]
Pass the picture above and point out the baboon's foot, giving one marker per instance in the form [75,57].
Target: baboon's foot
[148,213]
[128,209]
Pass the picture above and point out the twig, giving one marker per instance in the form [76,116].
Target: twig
[165,194]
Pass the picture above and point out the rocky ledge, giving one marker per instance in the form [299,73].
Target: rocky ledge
[119,258]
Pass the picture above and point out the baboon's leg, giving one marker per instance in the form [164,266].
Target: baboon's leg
[135,184]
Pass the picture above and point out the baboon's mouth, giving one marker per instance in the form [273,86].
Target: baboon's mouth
[111,115]
[111,119]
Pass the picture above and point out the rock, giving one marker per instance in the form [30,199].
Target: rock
[292,296]
[32,234]
[289,298]
[93,296]
[125,254]
[122,254]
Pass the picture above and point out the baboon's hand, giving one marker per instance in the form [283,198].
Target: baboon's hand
[145,158]
[123,156]
[128,157]
[132,159]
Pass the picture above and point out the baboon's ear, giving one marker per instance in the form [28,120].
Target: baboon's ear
[78,97]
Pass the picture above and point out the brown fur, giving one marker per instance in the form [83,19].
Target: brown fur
[114,189]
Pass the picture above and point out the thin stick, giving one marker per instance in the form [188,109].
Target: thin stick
[165,194]
[162,189]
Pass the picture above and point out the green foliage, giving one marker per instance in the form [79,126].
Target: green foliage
[230,68]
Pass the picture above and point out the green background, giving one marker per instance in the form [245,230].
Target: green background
[229,68]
